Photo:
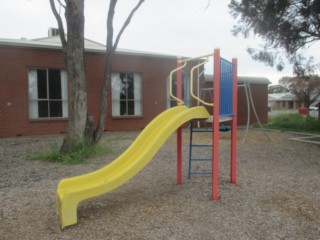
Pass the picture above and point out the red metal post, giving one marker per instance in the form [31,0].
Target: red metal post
[179,130]
[215,125]
[233,164]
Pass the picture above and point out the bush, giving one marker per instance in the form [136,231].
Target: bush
[294,122]
[79,154]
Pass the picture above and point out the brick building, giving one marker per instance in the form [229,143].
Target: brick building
[34,87]
[257,87]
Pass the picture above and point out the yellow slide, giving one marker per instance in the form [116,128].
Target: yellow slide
[72,190]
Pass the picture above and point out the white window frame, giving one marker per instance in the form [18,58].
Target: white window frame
[117,86]
[33,94]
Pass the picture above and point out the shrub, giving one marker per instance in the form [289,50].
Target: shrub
[79,154]
[294,122]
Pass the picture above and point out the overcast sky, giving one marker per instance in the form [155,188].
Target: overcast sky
[177,27]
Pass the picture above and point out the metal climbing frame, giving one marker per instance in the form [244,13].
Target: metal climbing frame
[224,107]
[226,113]
[193,156]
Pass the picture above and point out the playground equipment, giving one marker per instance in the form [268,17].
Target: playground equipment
[71,191]
[249,100]
[224,109]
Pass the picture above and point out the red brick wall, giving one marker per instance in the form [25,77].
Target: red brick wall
[14,65]
[154,92]
[260,98]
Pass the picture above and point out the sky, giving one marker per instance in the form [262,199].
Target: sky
[177,27]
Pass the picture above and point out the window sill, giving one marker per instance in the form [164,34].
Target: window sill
[126,117]
[56,119]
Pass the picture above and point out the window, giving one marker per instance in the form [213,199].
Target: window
[126,94]
[47,93]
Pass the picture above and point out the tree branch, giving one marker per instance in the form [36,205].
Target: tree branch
[64,6]
[126,23]
[60,23]
[109,42]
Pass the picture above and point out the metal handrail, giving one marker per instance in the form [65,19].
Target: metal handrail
[184,61]
[194,58]
[191,82]
[180,102]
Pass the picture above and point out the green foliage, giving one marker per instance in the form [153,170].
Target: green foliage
[79,153]
[305,88]
[294,122]
[286,27]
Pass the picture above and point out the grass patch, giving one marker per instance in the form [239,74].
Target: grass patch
[79,154]
[293,122]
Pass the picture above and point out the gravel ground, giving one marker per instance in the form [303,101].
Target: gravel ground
[277,195]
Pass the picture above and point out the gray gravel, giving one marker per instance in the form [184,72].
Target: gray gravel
[277,195]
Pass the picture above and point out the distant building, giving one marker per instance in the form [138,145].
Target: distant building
[315,105]
[283,101]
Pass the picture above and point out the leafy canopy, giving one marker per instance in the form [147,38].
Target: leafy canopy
[305,88]
[286,26]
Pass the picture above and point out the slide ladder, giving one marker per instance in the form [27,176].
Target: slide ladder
[193,146]
[196,145]
[226,112]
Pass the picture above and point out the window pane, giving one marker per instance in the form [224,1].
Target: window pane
[42,83]
[126,94]
[48,95]
[130,106]
[55,108]
[54,84]
[43,109]
[123,108]
[130,86]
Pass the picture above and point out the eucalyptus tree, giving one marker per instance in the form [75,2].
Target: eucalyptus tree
[287,28]
[79,128]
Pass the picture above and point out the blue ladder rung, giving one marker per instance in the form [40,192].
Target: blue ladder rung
[200,159]
[201,145]
[200,173]
[202,130]
[221,128]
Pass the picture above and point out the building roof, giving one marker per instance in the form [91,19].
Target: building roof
[243,79]
[315,103]
[54,42]
[254,80]
[281,97]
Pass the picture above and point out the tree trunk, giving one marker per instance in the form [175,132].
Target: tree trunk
[80,125]
[74,60]
[110,52]
[104,94]
[110,49]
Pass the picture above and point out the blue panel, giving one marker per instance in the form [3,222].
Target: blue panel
[226,87]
